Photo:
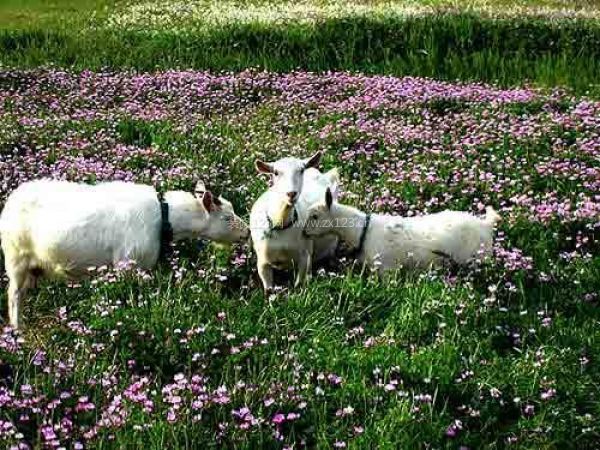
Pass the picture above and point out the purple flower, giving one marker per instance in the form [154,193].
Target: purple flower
[454,428]
[529,410]
[334,379]
[278,419]
[548,394]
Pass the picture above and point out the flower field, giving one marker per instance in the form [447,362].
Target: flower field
[183,16]
[504,354]
[507,42]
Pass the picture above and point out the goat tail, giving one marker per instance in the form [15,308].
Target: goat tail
[491,216]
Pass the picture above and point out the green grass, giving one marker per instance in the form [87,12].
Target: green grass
[415,352]
[421,342]
[19,14]
[465,45]
[474,348]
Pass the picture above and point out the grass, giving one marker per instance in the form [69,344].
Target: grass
[464,44]
[501,355]
[15,14]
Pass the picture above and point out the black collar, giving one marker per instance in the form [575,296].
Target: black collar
[282,227]
[166,230]
[363,235]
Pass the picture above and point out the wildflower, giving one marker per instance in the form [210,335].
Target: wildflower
[454,428]
[548,394]
[278,419]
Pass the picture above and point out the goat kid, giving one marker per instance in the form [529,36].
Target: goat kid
[275,218]
[60,229]
[386,242]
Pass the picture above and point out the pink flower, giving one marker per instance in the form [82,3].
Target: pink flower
[278,419]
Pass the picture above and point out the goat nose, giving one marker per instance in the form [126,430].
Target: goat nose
[292,195]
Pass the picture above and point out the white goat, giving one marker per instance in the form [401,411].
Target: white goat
[60,229]
[387,242]
[277,215]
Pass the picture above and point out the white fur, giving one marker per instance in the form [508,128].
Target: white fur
[289,248]
[392,242]
[60,229]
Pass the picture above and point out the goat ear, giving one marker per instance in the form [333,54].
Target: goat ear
[210,202]
[314,160]
[328,198]
[200,189]
[263,167]
[334,177]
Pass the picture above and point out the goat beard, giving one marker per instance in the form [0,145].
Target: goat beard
[282,214]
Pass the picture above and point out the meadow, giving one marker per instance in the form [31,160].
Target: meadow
[546,42]
[503,354]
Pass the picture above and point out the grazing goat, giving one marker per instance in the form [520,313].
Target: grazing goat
[60,229]
[387,242]
[277,215]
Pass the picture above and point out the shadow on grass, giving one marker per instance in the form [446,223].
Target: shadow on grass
[449,47]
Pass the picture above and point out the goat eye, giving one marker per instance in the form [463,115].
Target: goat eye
[314,217]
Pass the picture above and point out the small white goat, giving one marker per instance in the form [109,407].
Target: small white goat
[277,215]
[60,229]
[387,242]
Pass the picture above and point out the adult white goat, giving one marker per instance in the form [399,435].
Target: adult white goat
[388,242]
[60,229]
[276,218]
